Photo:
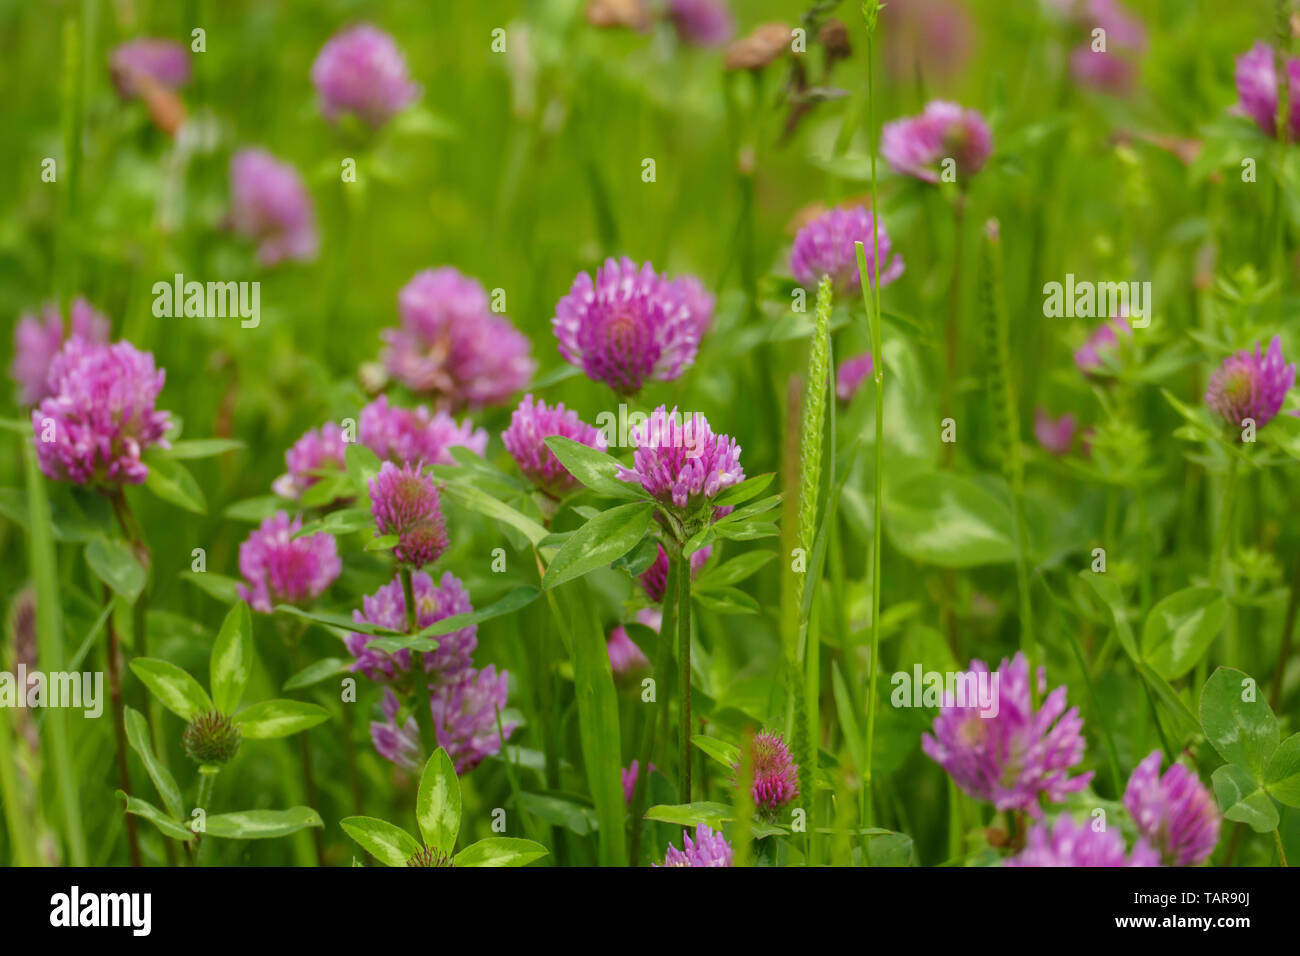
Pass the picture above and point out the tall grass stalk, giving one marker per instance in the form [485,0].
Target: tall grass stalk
[871,304]
[49,637]
[22,835]
[72,117]
[1007,418]
[742,805]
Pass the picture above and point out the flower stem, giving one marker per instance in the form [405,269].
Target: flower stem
[954,317]
[679,580]
[420,692]
[207,781]
[119,725]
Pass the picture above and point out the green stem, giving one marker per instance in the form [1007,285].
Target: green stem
[22,835]
[420,692]
[1281,853]
[119,725]
[680,578]
[207,781]
[49,631]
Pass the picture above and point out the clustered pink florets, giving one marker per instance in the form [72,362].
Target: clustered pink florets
[99,417]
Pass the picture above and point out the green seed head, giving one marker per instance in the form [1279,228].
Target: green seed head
[211,738]
[430,857]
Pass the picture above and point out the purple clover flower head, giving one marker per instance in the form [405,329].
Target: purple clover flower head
[851,374]
[776,775]
[1090,357]
[452,346]
[387,608]
[407,436]
[1257,84]
[399,745]
[530,425]
[826,246]
[281,569]
[360,70]
[625,658]
[917,145]
[708,849]
[100,415]
[1066,843]
[1107,71]
[1014,754]
[654,579]
[1251,385]
[1174,812]
[1055,436]
[270,204]
[319,449]
[465,716]
[705,23]
[38,339]
[631,325]
[1114,69]
[629,779]
[405,502]
[682,463]
[165,62]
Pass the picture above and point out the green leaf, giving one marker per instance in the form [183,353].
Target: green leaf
[329,619]
[137,735]
[577,817]
[724,753]
[383,542]
[176,690]
[232,659]
[279,718]
[598,717]
[145,809]
[1244,732]
[316,672]
[710,813]
[500,851]
[262,824]
[391,645]
[637,561]
[172,482]
[437,805]
[114,563]
[747,489]
[518,598]
[594,469]
[600,541]
[467,496]
[1180,629]
[1112,599]
[731,572]
[1282,776]
[1242,799]
[325,490]
[362,464]
[199,448]
[255,510]
[848,717]
[949,521]
[745,532]
[390,845]
[224,589]
[728,601]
